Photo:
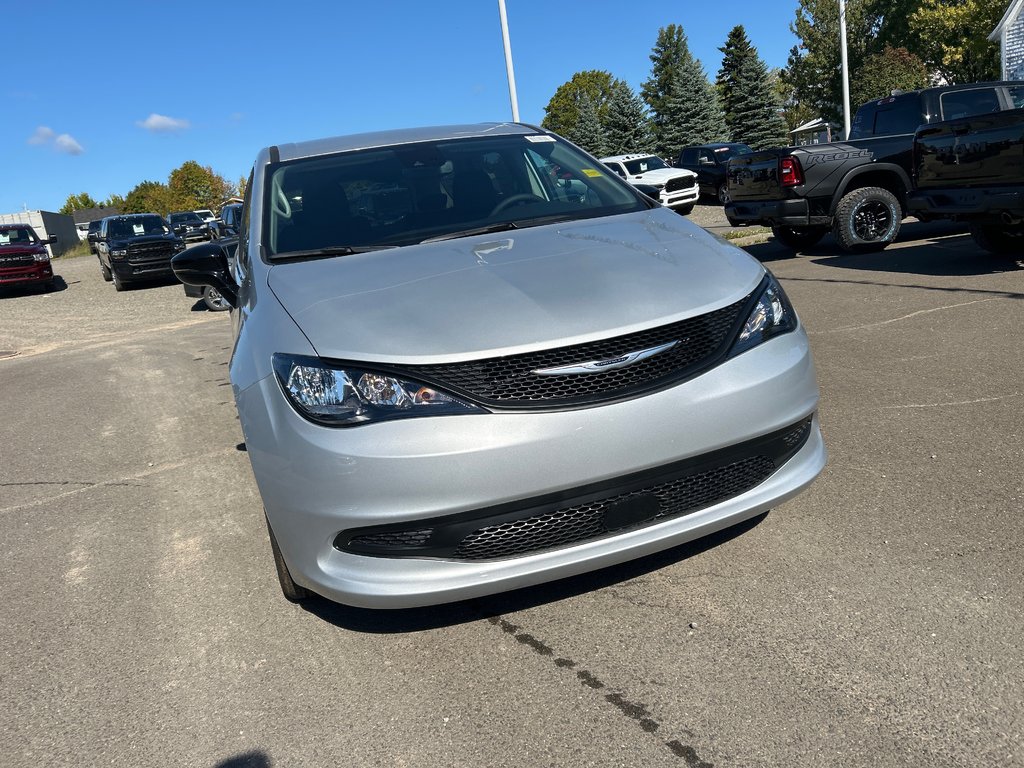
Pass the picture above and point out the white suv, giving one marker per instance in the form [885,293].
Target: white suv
[677,187]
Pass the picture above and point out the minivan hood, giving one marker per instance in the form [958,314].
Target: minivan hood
[513,292]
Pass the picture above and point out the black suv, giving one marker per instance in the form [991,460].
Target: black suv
[227,224]
[189,225]
[135,247]
[710,162]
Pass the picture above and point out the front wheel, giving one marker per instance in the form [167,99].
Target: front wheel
[722,193]
[119,284]
[105,272]
[999,239]
[798,238]
[867,219]
[292,591]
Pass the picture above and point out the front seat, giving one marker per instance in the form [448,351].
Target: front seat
[325,220]
[473,194]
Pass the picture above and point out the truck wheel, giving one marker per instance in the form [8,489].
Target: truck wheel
[119,284]
[799,238]
[213,300]
[999,239]
[684,210]
[723,193]
[867,219]
[105,272]
[292,591]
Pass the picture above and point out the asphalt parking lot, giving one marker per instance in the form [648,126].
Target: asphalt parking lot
[875,620]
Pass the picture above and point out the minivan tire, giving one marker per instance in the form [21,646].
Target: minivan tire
[867,219]
[292,591]
[213,299]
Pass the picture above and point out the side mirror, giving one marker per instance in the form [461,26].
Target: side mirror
[51,239]
[206,264]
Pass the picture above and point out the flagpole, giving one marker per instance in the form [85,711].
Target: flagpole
[846,69]
[508,62]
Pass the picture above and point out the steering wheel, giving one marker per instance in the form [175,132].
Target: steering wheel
[522,197]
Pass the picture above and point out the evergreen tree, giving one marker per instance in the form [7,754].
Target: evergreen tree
[691,114]
[626,127]
[757,112]
[667,57]
[735,52]
[587,133]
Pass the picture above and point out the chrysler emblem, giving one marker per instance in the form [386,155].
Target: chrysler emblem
[599,366]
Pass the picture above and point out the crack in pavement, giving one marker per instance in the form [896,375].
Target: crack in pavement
[631,709]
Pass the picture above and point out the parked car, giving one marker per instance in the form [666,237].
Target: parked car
[227,224]
[189,226]
[972,170]
[206,215]
[676,188]
[710,162]
[91,233]
[490,382]
[857,189]
[135,247]
[24,259]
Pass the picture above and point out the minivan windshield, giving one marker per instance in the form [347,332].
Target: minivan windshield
[410,193]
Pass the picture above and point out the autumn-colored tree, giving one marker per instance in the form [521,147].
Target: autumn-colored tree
[193,186]
[148,197]
[79,202]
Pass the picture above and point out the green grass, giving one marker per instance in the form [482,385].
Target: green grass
[80,249]
[736,234]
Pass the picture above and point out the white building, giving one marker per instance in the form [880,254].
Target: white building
[1010,34]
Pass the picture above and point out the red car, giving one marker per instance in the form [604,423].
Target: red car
[23,257]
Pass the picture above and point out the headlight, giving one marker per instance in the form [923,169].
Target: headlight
[179,245]
[118,253]
[44,256]
[771,316]
[344,397]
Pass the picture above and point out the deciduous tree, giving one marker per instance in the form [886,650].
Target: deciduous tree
[78,202]
[951,37]
[562,111]
[882,73]
[148,197]
[194,186]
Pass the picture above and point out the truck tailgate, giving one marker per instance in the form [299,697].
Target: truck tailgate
[755,176]
[985,150]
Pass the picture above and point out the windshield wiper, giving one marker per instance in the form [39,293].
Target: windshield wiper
[505,226]
[333,250]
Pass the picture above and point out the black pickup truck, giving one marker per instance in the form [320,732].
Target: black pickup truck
[973,171]
[858,188]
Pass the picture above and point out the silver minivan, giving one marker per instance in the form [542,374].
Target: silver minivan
[470,359]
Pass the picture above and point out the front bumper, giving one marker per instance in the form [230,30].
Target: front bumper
[793,212]
[126,270]
[39,272]
[680,196]
[317,482]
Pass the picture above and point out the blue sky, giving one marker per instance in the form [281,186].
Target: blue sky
[101,96]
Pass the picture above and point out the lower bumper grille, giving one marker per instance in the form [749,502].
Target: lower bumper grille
[587,513]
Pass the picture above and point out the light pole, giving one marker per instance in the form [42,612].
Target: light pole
[508,62]
[846,69]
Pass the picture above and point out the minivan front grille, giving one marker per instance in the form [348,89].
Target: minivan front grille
[586,513]
[513,382]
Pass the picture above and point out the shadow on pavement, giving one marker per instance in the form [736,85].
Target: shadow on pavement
[254,759]
[434,617]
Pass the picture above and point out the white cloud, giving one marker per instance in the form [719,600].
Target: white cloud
[43,135]
[162,124]
[66,143]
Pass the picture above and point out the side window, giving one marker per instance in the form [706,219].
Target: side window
[242,253]
[689,157]
[979,101]
[1016,93]
[899,117]
[616,168]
